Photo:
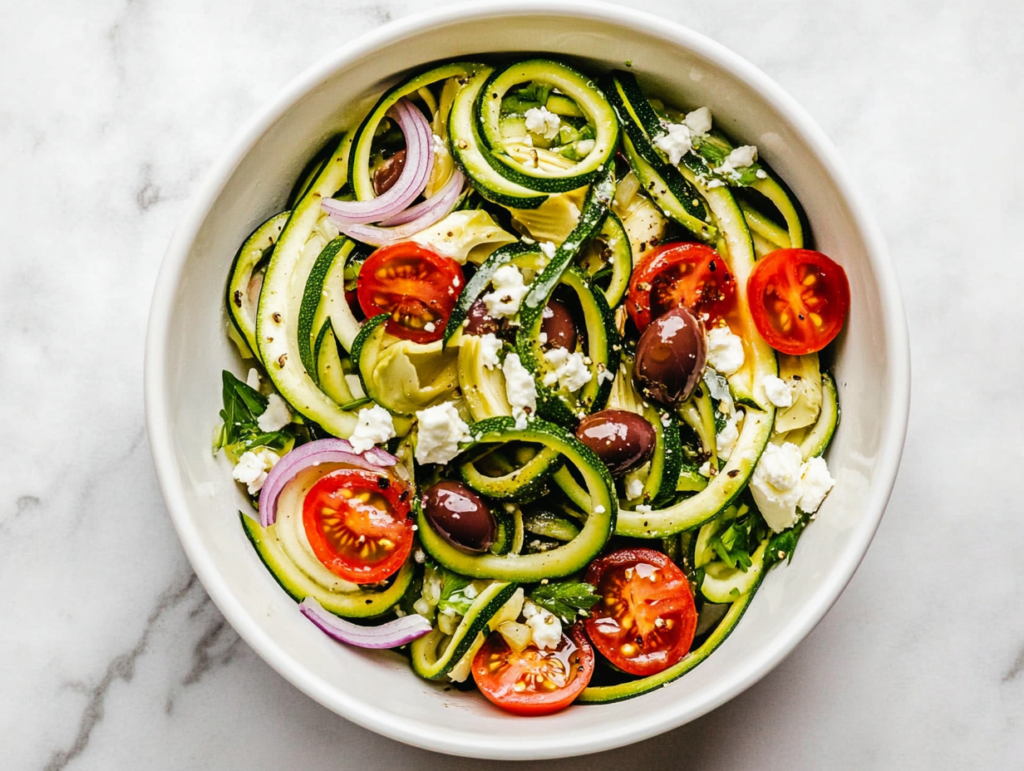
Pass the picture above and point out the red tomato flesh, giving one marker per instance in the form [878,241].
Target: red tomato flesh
[799,299]
[536,681]
[646,619]
[358,524]
[417,287]
[689,274]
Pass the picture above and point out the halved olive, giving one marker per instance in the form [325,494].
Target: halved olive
[622,440]
[460,516]
[670,357]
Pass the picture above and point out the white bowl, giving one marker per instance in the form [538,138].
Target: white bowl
[187,349]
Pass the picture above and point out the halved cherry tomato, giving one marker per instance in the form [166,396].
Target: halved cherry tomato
[646,618]
[358,524]
[536,681]
[417,287]
[694,275]
[799,299]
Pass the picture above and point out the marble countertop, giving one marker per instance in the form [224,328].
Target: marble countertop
[113,655]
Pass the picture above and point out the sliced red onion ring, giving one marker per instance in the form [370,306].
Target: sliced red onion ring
[419,159]
[313,454]
[390,635]
[435,209]
[431,205]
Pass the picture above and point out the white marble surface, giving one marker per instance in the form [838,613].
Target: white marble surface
[111,654]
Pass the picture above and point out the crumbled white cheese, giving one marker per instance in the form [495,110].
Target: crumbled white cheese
[545,627]
[542,337]
[429,327]
[520,389]
[253,380]
[509,291]
[778,391]
[251,469]
[548,247]
[675,142]
[490,346]
[815,482]
[738,159]
[725,350]
[698,121]
[705,469]
[644,508]
[276,416]
[440,431]
[439,145]
[599,509]
[725,440]
[375,426]
[634,488]
[569,370]
[603,374]
[783,482]
[761,174]
[718,387]
[542,122]
[584,146]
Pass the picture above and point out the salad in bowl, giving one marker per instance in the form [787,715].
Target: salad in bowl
[536,384]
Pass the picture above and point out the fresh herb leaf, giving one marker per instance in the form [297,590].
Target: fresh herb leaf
[457,593]
[566,600]
[241,432]
[782,545]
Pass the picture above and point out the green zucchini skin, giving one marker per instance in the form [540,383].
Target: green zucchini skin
[281,299]
[360,174]
[562,561]
[581,89]
[253,251]
[469,635]
[523,484]
[363,604]
[471,154]
[819,437]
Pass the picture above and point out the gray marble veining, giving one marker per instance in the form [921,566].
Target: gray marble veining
[113,655]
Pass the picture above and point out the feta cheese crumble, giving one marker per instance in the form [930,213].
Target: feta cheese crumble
[439,145]
[569,369]
[520,389]
[698,121]
[783,482]
[440,431]
[738,159]
[542,122]
[251,469]
[777,391]
[429,327]
[705,469]
[675,142]
[490,346]
[545,627]
[725,350]
[634,488]
[725,440]
[718,387]
[276,416]
[548,247]
[509,291]
[375,427]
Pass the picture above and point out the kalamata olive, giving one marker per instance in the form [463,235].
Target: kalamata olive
[670,357]
[558,326]
[622,440]
[460,517]
[386,175]
[480,322]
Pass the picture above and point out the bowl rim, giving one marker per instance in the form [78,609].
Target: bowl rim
[612,734]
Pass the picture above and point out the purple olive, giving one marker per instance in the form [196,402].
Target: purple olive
[557,324]
[386,175]
[460,517]
[480,322]
[622,440]
[670,357]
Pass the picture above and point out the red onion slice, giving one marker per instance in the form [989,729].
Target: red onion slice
[390,635]
[419,159]
[434,210]
[431,205]
[313,454]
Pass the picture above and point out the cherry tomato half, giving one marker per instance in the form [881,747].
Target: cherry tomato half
[646,618]
[358,524]
[799,299]
[694,275]
[417,287]
[536,681]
